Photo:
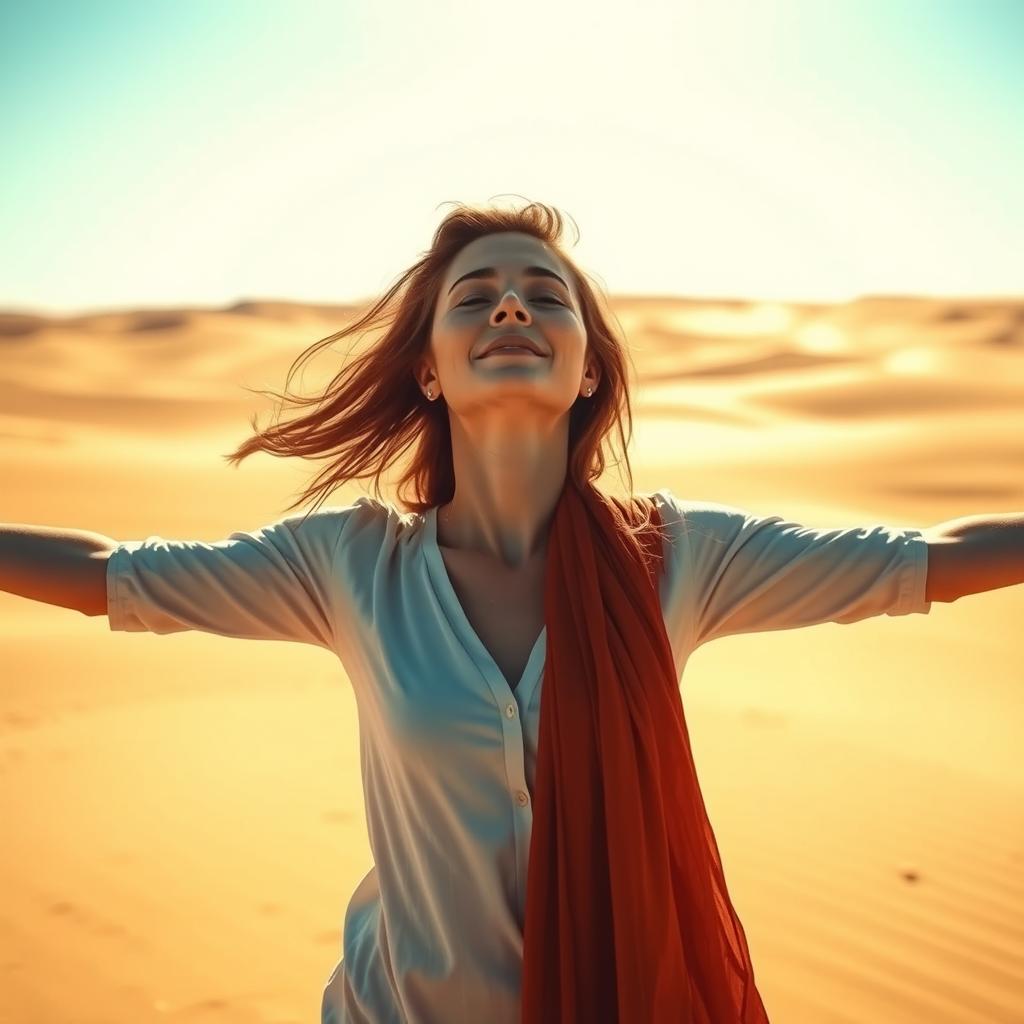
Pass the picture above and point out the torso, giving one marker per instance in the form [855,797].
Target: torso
[505,606]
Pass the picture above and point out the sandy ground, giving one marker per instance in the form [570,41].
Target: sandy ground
[182,816]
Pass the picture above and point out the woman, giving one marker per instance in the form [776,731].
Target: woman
[508,576]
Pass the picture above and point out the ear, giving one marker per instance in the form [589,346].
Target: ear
[424,372]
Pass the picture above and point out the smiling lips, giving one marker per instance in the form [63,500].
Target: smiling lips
[511,350]
[513,344]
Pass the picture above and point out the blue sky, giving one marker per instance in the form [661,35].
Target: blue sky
[199,153]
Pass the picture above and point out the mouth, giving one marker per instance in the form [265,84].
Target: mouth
[513,344]
[510,350]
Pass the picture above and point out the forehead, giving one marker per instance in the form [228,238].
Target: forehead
[509,249]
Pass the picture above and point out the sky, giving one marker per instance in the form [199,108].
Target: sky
[188,153]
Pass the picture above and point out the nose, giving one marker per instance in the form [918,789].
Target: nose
[510,308]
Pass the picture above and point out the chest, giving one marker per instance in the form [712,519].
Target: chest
[505,606]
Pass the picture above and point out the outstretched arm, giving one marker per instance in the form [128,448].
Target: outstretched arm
[973,554]
[58,566]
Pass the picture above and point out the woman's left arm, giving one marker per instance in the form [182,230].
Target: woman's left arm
[973,554]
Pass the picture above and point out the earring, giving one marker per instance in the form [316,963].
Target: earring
[430,392]
[590,391]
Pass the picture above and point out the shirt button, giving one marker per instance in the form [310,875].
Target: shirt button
[510,711]
[522,798]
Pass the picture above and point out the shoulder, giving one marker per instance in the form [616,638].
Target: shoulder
[366,522]
[698,507]
[696,518]
[362,511]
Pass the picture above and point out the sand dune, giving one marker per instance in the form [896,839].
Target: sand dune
[183,817]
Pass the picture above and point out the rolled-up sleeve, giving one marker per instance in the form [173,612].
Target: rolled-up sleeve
[276,582]
[747,573]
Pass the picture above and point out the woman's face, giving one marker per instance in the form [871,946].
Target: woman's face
[471,312]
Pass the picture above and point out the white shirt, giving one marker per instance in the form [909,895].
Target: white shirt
[433,932]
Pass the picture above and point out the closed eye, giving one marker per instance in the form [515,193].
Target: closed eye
[470,301]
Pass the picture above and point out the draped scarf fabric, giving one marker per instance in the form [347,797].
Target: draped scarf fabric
[628,920]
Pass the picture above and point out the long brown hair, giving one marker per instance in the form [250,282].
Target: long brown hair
[373,409]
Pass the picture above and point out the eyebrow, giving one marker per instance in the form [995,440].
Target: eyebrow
[490,272]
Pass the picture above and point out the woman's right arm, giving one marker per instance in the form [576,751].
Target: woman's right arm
[62,567]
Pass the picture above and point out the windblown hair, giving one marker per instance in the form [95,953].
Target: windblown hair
[373,409]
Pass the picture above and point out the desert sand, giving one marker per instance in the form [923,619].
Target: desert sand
[182,815]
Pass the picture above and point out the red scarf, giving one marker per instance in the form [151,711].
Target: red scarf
[628,920]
